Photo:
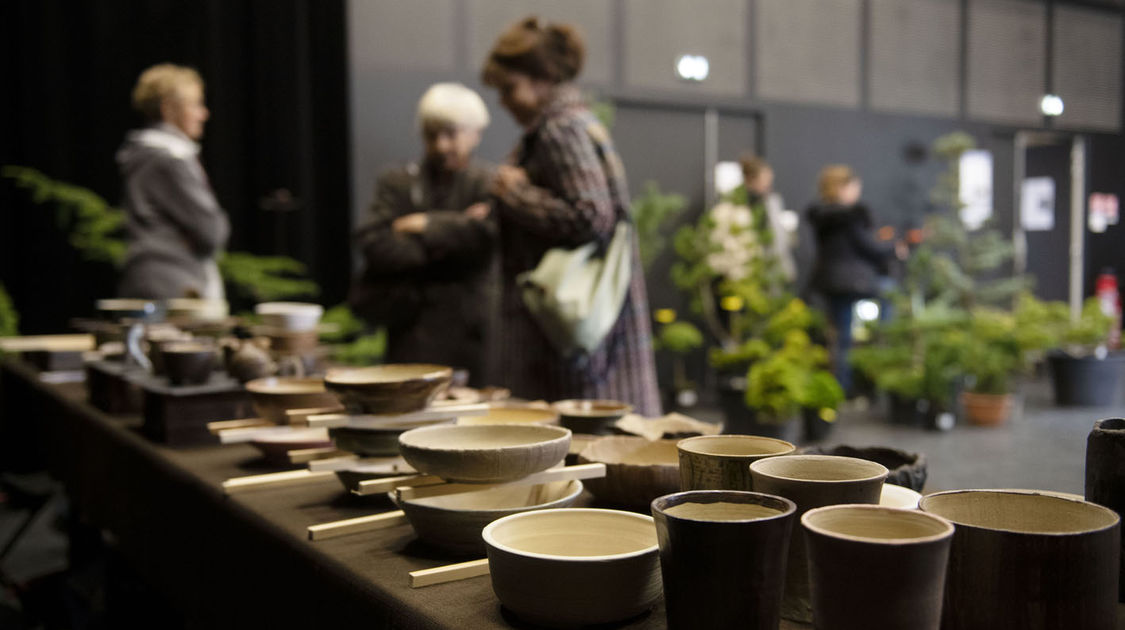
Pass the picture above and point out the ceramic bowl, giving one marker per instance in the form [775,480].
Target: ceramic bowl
[188,362]
[594,417]
[574,567]
[513,414]
[290,316]
[487,453]
[273,395]
[276,448]
[721,462]
[636,470]
[350,477]
[898,497]
[381,442]
[387,389]
[454,522]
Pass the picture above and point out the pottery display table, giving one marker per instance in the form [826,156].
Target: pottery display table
[243,560]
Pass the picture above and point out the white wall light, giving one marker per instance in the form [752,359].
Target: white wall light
[1051,105]
[692,67]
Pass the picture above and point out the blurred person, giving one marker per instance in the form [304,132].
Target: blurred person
[849,258]
[565,187]
[428,242]
[175,226]
[757,177]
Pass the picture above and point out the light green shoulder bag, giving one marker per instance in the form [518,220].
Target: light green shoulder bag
[576,295]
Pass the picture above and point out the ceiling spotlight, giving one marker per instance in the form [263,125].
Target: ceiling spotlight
[1051,105]
[692,67]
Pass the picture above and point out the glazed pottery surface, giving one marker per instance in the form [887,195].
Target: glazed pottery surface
[636,470]
[188,362]
[272,396]
[722,556]
[906,468]
[721,462]
[876,567]
[1105,475]
[512,415]
[290,316]
[387,389]
[813,481]
[898,497]
[487,453]
[454,522]
[594,417]
[1027,560]
[574,567]
[276,448]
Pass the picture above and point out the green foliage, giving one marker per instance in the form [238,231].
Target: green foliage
[265,278]
[652,210]
[94,226]
[603,110]
[343,322]
[679,338]
[9,318]
[365,350]
[790,378]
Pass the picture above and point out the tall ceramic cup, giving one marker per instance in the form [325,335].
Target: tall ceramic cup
[721,462]
[1105,476]
[722,555]
[813,481]
[876,567]
[1028,561]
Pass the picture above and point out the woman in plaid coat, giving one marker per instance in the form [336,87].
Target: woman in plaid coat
[565,187]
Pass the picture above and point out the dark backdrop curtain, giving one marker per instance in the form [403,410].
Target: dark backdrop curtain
[275,73]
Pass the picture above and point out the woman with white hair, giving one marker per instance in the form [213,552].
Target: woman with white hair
[428,241]
[175,225]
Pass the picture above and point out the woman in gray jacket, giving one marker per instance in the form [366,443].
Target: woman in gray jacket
[175,225]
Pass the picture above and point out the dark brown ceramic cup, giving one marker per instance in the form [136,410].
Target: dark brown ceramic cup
[1022,559]
[722,556]
[813,481]
[1105,476]
[189,362]
[876,567]
[721,462]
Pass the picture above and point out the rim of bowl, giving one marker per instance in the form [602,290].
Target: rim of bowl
[490,540]
[1021,491]
[916,515]
[560,433]
[429,372]
[712,438]
[791,507]
[545,416]
[268,384]
[901,491]
[278,308]
[576,484]
[571,407]
[766,462]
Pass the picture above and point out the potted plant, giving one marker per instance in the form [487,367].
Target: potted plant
[679,338]
[1084,372]
[769,367]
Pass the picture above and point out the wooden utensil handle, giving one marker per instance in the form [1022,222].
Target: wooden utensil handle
[355,525]
[448,573]
[379,486]
[306,455]
[300,417]
[564,473]
[216,428]
[274,480]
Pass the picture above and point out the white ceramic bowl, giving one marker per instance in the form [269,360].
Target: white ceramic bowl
[899,497]
[290,316]
[574,567]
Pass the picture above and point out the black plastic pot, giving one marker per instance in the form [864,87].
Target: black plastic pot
[1087,381]
[738,419]
[816,429]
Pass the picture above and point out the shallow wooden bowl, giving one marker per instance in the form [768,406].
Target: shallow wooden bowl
[386,389]
[275,448]
[487,453]
[513,414]
[574,567]
[454,522]
[272,396]
[636,470]
[595,417]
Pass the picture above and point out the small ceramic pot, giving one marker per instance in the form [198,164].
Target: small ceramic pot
[1105,475]
[386,389]
[722,557]
[592,417]
[636,470]
[574,567]
[290,316]
[813,481]
[188,362]
[1021,559]
[488,453]
[876,567]
[721,462]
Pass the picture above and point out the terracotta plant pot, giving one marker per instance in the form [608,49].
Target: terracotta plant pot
[386,389]
[907,469]
[1105,475]
[722,556]
[987,410]
[574,567]
[876,567]
[636,470]
[1021,560]
[722,462]
[593,417]
[813,481]
[488,453]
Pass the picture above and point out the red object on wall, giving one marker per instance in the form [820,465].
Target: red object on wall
[1105,288]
